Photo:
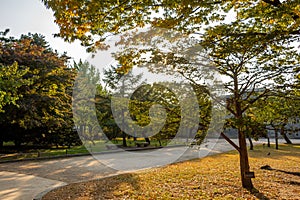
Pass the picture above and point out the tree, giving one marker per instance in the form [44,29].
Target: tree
[11,78]
[86,93]
[121,85]
[156,94]
[252,63]
[42,111]
[140,105]
[254,127]
[83,19]
[277,112]
[260,32]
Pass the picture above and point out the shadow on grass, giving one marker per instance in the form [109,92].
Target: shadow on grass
[118,186]
[271,153]
[267,167]
[292,173]
[290,182]
[258,194]
[114,187]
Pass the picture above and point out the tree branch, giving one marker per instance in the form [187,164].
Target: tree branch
[277,3]
[230,142]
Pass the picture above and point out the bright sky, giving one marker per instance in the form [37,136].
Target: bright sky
[23,16]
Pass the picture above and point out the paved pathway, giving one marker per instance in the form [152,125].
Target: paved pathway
[28,179]
[24,186]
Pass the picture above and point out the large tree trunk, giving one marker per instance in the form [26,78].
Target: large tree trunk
[282,132]
[269,145]
[244,163]
[123,133]
[251,143]
[17,144]
[276,138]
[147,140]
[124,139]
[159,142]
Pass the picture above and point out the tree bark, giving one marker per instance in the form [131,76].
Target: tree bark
[1,142]
[159,142]
[147,140]
[269,145]
[282,132]
[230,141]
[124,139]
[276,138]
[244,162]
[123,118]
[251,143]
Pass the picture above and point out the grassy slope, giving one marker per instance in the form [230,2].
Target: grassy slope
[214,177]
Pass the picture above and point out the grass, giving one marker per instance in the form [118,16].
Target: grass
[213,177]
[97,146]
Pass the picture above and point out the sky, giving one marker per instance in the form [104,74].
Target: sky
[23,16]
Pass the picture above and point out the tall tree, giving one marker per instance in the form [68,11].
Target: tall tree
[279,113]
[252,63]
[145,97]
[42,113]
[11,78]
[84,19]
[259,32]
[121,84]
[85,89]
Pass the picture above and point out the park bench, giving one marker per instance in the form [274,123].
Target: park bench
[142,144]
[112,146]
[194,144]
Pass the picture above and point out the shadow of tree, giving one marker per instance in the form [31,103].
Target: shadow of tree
[108,188]
[267,167]
[258,194]
[118,186]
[290,182]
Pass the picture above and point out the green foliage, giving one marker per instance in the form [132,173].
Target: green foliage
[11,79]
[120,86]
[38,83]
[277,111]
[85,89]
[142,101]
[81,19]
[149,95]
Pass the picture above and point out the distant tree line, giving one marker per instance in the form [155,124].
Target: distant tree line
[36,88]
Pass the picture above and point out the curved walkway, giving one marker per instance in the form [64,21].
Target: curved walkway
[24,186]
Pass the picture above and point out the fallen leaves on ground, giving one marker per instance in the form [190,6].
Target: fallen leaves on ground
[213,177]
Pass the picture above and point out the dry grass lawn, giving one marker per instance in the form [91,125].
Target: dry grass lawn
[214,177]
